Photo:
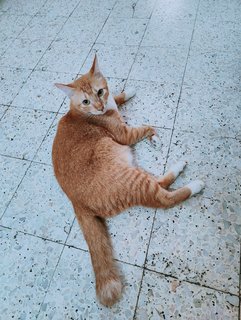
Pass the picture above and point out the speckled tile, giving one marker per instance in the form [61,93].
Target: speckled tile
[115,86]
[214,36]
[4,43]
[61,8]
[39,91]
[3,109]
[151,157]
[130,9]
[93,8]
[159,64]
[123,31]
[130,233]
[72,293]
[22,131]
[154,103]
[44,153]
[85,29]
[36,29]
[27,266]
[166,298]
[114,61]
[23,7]
[221,10]
[73,55]
[13,25]
[214,109]
[11,173]
[39,206]
[172,9]
[198,242]
[213,68]
[214,160]
[11,81]
[165,32]
[15,55]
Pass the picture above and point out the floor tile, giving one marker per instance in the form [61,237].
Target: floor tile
[214,36]
[131,9]
[159,64]
[93,8]
[44,153]
[27,266]
[130,233]
[15,55]
[11,81]
[114,61]
[23,7]
[166,298]
[169,33]
[214,160]
[39,91]
[5,42]
[3,109]
[194,242]
[22,131]
[61,8]
[39,207]
[123,31]
[220,10]
[154,103]
[36,29]
[214,109]
[11,173]
[72,293]
[151,157]
[13,25]
[73,55]
[173,9]
[85,29]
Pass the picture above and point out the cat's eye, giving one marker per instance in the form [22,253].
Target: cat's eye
[86,102]
[100,92]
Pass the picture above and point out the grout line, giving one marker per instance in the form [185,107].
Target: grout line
[184,72]
[166,275]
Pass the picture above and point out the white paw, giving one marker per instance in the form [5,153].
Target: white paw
[110,292]
[154,140]
[129,93]
[177,168]
[196,186]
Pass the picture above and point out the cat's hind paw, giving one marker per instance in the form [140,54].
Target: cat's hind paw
[195,187]
[129,93]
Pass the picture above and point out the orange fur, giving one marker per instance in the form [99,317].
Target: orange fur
[93,165]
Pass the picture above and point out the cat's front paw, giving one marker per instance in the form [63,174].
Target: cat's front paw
[129,93]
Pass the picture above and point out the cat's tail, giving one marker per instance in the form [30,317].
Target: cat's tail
[107,276]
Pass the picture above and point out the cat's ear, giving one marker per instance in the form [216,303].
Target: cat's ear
[66,88]
[95,69]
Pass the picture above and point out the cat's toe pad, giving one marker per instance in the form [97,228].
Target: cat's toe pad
[129,93]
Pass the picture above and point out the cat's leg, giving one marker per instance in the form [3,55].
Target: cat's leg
[140,188]
[172,174]
[107,276]
[124,96]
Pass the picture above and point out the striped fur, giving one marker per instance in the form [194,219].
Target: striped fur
[93,165]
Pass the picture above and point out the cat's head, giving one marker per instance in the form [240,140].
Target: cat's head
[89,93]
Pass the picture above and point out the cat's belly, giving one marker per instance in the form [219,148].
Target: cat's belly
[126,155]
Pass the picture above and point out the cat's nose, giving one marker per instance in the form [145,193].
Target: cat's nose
[100,106]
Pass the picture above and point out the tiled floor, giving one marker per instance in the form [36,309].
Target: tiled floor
[183,58]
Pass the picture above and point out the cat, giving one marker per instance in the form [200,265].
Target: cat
[94,166]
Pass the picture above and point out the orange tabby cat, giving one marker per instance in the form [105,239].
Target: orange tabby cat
[93,165]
